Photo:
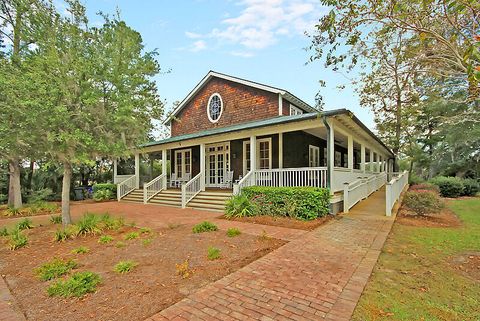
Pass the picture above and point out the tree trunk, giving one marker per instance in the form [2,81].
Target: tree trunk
[67,178]
[14,188]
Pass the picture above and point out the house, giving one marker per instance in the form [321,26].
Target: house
[229,133]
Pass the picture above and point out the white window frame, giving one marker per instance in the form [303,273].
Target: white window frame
[247,142]
[315,150]
[295,110]
[182,152]
[208,108]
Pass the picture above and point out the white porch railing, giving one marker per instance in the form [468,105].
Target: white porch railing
[343,175]
[393,190]
[153,187]
[126,186]
[190,189]
[246,181]
[120,178]
[360,189]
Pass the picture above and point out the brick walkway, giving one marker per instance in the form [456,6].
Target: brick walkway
[318,276]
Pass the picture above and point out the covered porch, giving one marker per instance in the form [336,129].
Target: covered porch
[301,150]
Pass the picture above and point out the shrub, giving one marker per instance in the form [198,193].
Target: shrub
[131,236]
[56,219]
[183,269]
[3,198]
[425,187]
[88,224]
[81,250]
[78,284]
[233,231]
[238,206]
[112,223]
[213,253]
[3,231]
[45,194]
[422,202]
[25,224]
[124,266]
[17,239]
[204,227]
[105,239]
[54,269]
[304,203]
[106,186]
[413,179]
[471,187]
[102,195]
[449,186]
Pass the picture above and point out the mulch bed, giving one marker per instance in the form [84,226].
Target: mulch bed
[152,286]
[445,218]
[282,221]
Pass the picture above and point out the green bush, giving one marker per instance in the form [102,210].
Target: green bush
[204,227]
[105,186]
[238,206]
[124,266]
[88,224]
[3,198]
[423,202]
[77,285]
[41,195]
[213,253]
[304,203]
[233,231]
[17,239]
[25,224]
[103,195]
[413,179]
[449,186]
[54,269]
[471,187]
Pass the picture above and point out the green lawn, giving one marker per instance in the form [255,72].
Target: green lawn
[414,278]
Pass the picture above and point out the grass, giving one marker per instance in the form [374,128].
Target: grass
[131,236]
[124,266]
[25,224]
[56,219]
[414,278]
[233,231]
[54,269]
[81,250]
[213,253]
[77,285]
[17,239]
[105,239]
[204,227]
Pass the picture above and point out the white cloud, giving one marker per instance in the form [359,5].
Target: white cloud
[261,23]
[199,45]
[244,54]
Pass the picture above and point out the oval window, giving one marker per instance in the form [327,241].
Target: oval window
[215,108]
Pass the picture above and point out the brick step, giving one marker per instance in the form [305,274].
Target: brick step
[206,207]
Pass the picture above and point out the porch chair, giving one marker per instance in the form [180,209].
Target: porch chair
[227,180]
[174,180]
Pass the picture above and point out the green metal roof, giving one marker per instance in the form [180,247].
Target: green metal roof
[265,122]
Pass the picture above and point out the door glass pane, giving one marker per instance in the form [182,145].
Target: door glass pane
[220,168]
[212,169]
[187,162]
[247,156]
[264,155]
[179,164]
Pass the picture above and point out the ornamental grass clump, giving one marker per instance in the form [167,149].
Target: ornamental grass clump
[54,269]
[56,219]
[204,227]
[238,206]
[25,224]
[17,239]
[79,284]
[105,239]
[233,231]
[123,267]
[81,250]
[88,224]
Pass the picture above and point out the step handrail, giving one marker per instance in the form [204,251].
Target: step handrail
[126,186]
[246,181]
[154,187]
[190,189]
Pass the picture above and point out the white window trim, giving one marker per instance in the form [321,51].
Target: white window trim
[269,140]
[245,142]
[310,148]
[208,108]
[183,160]
[295,110]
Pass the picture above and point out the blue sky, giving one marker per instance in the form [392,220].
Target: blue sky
[260,40]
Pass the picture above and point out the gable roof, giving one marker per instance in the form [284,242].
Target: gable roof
[284,93]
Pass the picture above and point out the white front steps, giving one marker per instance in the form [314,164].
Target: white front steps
[210,200]
[135,196]
[168,197]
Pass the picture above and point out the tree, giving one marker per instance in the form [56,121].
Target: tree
[101,94]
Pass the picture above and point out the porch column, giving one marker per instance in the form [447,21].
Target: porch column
[253,153]
[362,157]
[164,162]
[331,155]
[137,170]
[202,167]
[371,160]
[280,150]
[350,152]
[115,170]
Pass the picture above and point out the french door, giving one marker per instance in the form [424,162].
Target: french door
[218,163]
[183,162]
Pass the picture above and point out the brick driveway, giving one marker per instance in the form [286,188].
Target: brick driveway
[318,276]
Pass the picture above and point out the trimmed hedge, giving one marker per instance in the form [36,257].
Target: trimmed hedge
[449,186]
[304,203]
[470,187]
[105,186]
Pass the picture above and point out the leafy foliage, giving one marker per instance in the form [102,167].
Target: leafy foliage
[204,227]
[124,266]
[105,239]
[17,239]
[63,234]
[79,284]
[3,231]
[25,224]
[102,195]
[88,224]
[131,236]
[111,223]
[304,203]
[423,202]
[238,206]
[213,253]
[470,187]
[81,250]
[56,219]
[233,231]
[54,269]
[449,186]
[105,186]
